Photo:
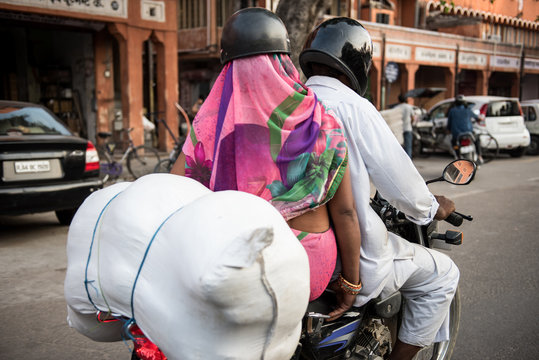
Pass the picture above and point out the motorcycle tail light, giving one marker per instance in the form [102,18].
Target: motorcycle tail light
[483,115]
[465,142]
[92,159]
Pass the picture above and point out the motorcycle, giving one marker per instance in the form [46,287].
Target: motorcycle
[369,332]
[465,147]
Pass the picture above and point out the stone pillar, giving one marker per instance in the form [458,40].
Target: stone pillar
[353,8]
[482,82]
[130,41]
[167,75]
[411,69]
[375,82]
[515,85]
[104,81]
[450,82]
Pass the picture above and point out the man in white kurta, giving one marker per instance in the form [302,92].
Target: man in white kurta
[426,278]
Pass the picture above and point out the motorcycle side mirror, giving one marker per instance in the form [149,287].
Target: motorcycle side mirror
[458,172]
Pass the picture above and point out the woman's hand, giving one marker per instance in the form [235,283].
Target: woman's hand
[342,209]
[344,301]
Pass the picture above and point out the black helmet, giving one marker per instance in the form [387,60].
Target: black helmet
[252,31]
[342,44]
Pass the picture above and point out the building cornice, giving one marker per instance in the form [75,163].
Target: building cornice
[435,5]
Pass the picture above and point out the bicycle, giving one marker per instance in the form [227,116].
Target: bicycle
[165,165]
[489,148]
[140,160]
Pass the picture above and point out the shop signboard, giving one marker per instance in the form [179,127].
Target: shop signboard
[471,59]
[112,8]
[398,52]
[505,61]
[376,49]
[434,55]
[531,64]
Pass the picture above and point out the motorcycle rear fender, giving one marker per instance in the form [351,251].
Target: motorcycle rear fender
[467,149]
[389,306]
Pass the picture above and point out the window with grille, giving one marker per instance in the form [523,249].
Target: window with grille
[191,14]
[382,18]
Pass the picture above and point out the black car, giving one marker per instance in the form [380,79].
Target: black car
[43,165]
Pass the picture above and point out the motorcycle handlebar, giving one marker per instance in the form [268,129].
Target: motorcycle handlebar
[454,219]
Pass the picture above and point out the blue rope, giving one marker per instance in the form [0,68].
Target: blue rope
[86,282]
[144,259]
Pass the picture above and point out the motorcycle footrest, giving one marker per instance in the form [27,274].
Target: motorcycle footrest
[450,237]
[389,306]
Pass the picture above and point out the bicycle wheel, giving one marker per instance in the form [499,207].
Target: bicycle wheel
[164,166]
[109,169]
[489,147]
[142,160]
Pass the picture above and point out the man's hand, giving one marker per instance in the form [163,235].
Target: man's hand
[447,206]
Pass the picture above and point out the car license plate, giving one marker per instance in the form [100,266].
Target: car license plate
[34,166]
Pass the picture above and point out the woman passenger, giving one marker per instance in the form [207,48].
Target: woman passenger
[260,130]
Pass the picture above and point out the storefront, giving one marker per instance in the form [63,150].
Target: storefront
[461,65]
[99,65]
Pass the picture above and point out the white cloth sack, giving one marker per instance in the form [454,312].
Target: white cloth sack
[223,277]
[393,118]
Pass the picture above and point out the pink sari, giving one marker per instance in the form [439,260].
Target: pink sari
[262,131]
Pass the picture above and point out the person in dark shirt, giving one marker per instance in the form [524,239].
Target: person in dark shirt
[459,121]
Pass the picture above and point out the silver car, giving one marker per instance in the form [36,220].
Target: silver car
[502,117]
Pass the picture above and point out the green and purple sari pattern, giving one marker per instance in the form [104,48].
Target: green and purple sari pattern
[262,131]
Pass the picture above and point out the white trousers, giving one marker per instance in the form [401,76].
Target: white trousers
[427,281]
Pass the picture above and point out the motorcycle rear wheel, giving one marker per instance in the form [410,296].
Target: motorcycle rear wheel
[444,350]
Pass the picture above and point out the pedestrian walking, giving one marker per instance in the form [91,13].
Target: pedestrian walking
[408,119]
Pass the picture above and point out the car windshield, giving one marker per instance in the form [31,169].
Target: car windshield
[29,121]
[503,108]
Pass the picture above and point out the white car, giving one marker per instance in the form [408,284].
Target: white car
[502,117]
[530,108]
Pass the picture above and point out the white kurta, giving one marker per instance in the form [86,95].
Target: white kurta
[375,155]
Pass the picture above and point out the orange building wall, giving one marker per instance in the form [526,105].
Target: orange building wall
[130,32]
[405,11]
[464,30]
[530,8]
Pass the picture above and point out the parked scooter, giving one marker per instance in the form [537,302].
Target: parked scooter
[369,332]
